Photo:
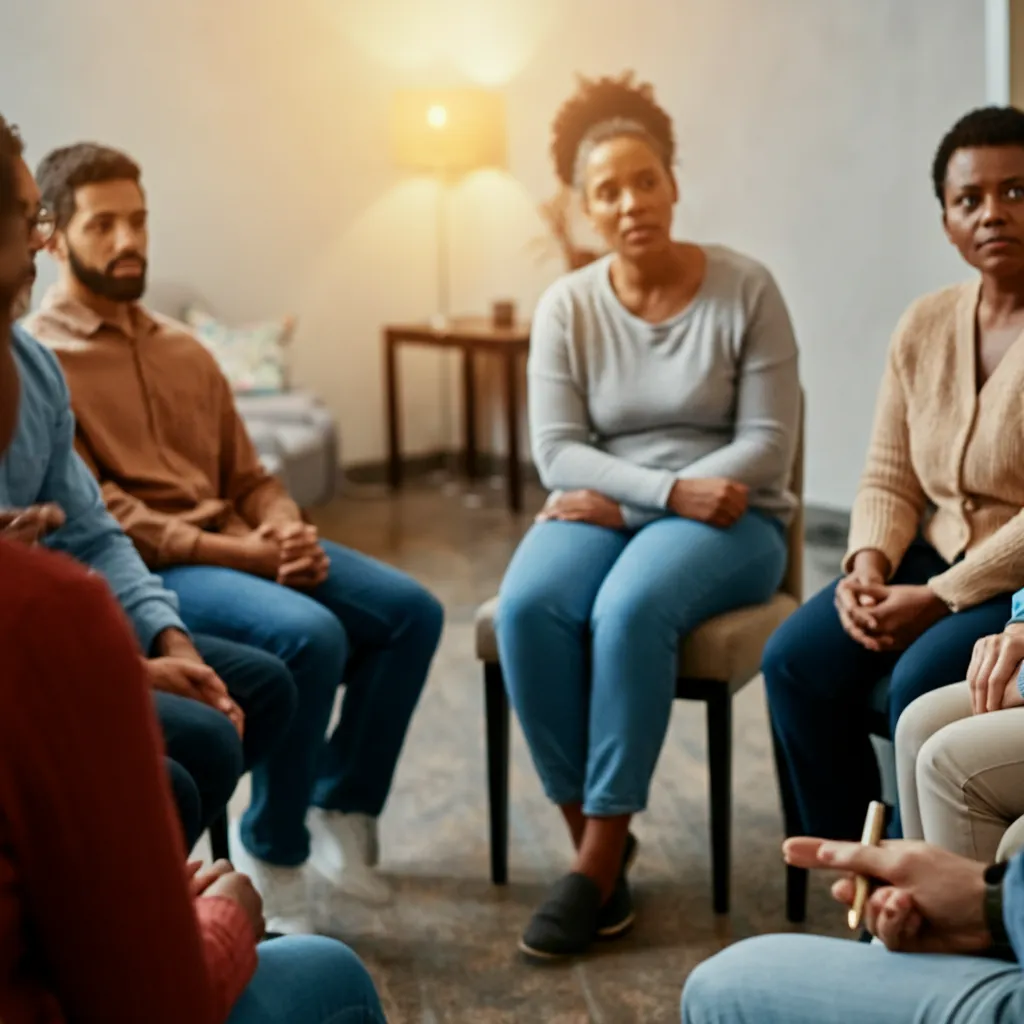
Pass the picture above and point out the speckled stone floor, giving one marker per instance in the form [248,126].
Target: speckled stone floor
[444,952]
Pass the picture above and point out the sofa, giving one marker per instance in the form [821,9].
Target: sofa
[297,438]
[294,433]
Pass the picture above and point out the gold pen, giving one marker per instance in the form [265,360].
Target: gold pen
[871,836]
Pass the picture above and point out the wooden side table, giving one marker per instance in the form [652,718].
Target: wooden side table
[471,336]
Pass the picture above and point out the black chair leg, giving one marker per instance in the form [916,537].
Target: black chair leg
[219,838]
[498,753]
[796,878]
[720,787]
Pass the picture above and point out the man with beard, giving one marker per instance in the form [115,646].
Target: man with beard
[158,424]
[209,693]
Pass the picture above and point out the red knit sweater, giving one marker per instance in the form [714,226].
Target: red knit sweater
[96,919]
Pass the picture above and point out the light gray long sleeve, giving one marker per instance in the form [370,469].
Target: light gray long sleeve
[625,408]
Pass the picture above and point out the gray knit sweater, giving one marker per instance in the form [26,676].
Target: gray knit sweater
[624,407]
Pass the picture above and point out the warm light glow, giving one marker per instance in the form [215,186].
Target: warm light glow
[488,43]
[452,130]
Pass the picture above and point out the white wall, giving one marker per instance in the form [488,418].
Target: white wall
[806,129]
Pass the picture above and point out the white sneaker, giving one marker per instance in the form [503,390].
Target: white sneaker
[345,850]
[285,891]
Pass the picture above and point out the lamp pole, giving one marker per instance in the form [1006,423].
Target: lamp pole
[440,321]
[441,316]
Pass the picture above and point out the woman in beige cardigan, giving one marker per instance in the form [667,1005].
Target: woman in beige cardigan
[936,544]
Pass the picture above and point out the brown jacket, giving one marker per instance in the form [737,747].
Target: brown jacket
[157,424]
[945,458]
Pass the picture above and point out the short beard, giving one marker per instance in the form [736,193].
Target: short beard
[104,283]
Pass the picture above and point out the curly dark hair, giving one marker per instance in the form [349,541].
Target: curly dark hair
[605,99]
[11,148]
[66,169]
[986,126]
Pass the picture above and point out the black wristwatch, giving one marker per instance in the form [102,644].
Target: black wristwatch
[994,904]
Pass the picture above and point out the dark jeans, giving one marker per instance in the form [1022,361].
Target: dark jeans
[368,626]
[205,757]
[818,681]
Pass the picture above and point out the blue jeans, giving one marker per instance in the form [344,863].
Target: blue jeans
[204,755]
[588,625]
[308,979]
[807,979]
[818,681]
[368,626]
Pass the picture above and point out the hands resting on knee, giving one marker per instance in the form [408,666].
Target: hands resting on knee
[929,900]
[995,669]
[881,616]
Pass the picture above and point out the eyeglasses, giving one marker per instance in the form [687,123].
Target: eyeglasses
[42,223]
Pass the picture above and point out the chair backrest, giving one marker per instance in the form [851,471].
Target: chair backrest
[793,581]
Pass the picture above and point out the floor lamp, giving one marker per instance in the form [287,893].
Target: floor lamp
[447,133]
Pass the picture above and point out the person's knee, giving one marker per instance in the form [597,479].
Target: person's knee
[425,613]
[711,990]
[328,968]
[528,610]
[934,767]
[703,992]
[322,640]
[724,988]
[913,730]
[784,661]
[631,614]
[187,802]
[911,678]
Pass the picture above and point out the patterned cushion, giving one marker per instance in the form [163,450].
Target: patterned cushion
[252,357]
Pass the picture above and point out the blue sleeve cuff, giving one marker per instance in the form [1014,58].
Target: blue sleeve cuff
[1013,904]
[151,619]
[1017,607]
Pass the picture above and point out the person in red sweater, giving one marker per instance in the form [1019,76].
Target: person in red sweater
[92,929]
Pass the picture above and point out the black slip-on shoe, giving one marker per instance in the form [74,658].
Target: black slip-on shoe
[617,915]
[565,924]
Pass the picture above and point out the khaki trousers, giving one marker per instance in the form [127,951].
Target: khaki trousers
[961,776]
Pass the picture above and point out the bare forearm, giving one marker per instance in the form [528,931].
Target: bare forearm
[226,552]
[871,561]
[174,643]
[269,503]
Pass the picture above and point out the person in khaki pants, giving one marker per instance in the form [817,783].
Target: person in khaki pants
[960,752]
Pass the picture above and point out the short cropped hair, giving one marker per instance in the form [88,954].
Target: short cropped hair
[986,126]
[69,168]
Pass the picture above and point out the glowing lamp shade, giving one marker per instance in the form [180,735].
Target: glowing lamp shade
[453,130]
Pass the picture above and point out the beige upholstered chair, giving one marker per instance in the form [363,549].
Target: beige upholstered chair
[715,662]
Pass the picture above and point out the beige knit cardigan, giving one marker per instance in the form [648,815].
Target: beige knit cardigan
[946,458]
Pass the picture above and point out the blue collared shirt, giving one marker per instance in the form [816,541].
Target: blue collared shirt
[42,465]
[1013,904]
[1017,615]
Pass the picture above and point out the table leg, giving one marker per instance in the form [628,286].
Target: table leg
[515,479]
[469,410]
[393,416]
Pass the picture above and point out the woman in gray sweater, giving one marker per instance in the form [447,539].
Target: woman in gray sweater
[664,403]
